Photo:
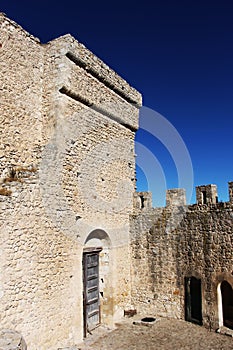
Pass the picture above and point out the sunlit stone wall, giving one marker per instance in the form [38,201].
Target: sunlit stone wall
[67,181]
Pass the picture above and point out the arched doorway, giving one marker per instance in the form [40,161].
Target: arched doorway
[95,276]
[193,302]
[227,304]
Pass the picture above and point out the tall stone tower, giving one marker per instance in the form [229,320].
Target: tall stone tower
[68,123]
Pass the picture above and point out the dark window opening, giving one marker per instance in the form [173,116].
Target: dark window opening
[142,201]
[204,197]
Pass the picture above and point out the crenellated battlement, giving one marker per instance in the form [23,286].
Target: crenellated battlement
[205,194]
[179,246]
[143,200]
[175,197]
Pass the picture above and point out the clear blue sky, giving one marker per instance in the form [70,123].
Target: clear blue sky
[178,54]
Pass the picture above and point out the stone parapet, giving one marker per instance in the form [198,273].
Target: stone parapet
[206,194]
[143,200]
[199,247]
[175,197]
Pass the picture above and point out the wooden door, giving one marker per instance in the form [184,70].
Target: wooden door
[91,300]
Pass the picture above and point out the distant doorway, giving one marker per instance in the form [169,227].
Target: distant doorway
[91,300]
[227,304]
[193,302]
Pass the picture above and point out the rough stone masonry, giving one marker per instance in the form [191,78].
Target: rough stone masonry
[182,258]
[67,180]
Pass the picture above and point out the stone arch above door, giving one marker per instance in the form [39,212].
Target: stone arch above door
[98,237]
[225,304]
[99,241]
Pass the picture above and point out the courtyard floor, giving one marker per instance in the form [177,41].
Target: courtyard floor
[164,334]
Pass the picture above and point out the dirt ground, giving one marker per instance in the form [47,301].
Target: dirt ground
[164,334]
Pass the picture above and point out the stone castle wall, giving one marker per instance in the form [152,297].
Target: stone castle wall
[67,152]
[172,243]
[67,184]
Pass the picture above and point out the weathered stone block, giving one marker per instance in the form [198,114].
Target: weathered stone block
[11,340]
